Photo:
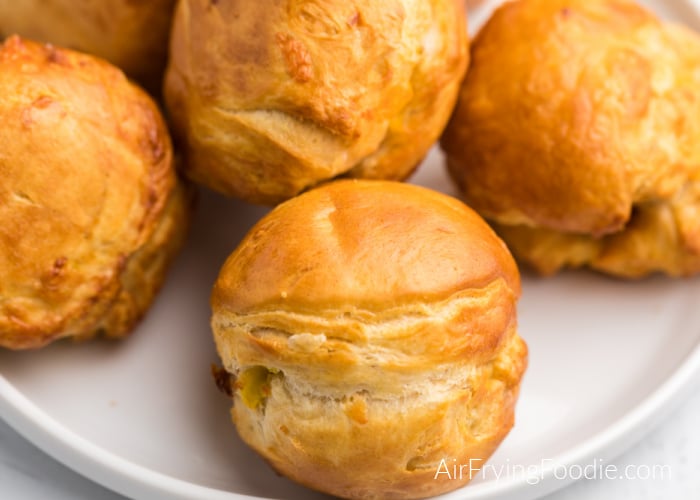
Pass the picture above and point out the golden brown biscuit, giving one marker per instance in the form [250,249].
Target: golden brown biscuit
[131,34]
[91,209]
[578,133]
[369,328]
[271,98]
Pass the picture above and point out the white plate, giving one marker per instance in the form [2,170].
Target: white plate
[608,359]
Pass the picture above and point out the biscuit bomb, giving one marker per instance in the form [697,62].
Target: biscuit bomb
[577,133]
[271,98]
[91,211]
[132,35]
[368,329]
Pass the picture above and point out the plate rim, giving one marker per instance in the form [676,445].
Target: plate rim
[611,441]
[136,481]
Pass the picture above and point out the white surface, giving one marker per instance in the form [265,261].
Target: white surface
[26,472]
[608,359]
[143,417]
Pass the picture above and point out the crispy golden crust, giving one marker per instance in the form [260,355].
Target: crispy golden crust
[272,98]
[370,327]
[92,210]
[130,34]
[576,132]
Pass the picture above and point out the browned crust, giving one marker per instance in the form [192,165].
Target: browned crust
[384,315]
[269,101]
[576,133]
[132,35]
[92,209]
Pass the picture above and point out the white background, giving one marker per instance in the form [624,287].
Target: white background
[27,473]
